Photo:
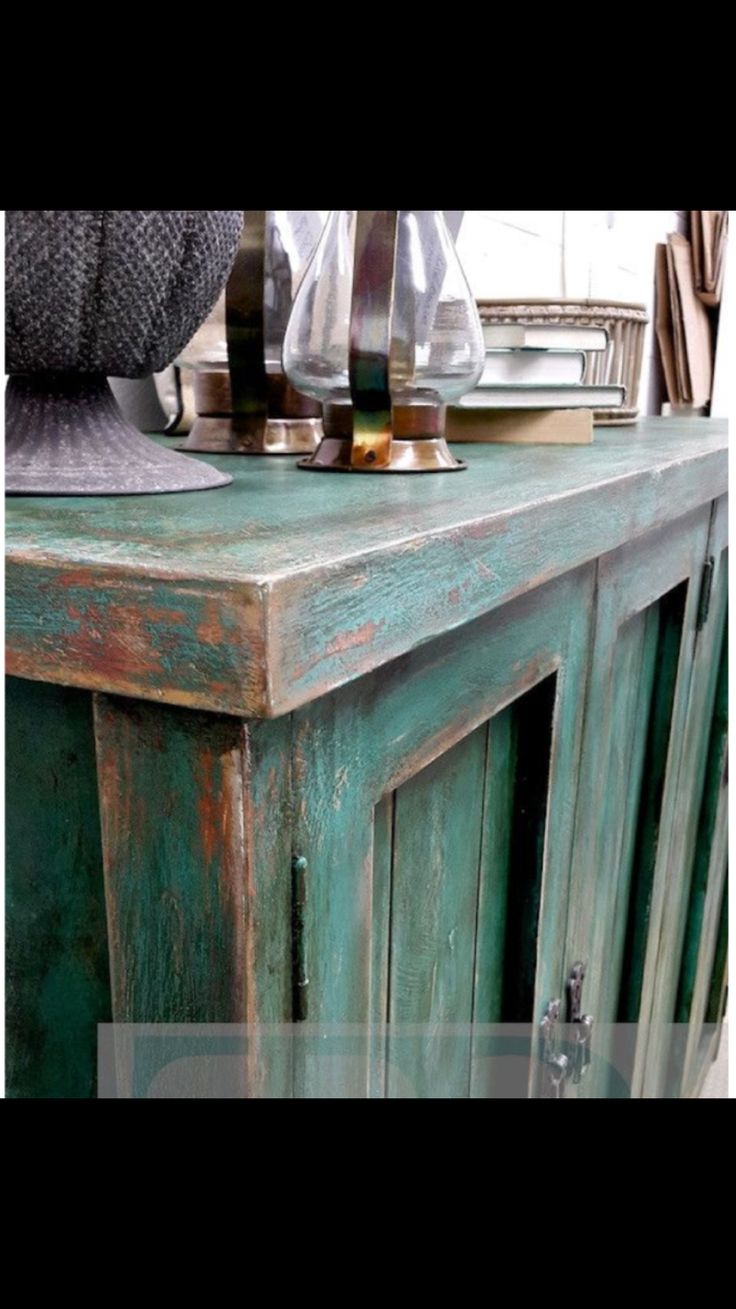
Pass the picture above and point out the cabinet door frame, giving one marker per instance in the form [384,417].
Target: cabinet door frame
[629,581]
[356,746]
[699,1053]
[665,963]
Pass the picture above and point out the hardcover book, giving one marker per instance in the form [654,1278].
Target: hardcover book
[545,336]
[523,396]
[539,366]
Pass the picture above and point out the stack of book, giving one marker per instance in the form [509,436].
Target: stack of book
[532,387]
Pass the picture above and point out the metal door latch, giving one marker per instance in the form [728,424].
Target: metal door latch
[559,1067]
[555,1065]
[582,1023]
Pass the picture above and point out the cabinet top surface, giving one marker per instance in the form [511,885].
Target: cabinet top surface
[285,584]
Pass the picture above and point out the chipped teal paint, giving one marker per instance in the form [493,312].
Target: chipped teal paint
[380,836]
[57,978]
[436,857]
[396,618]
[682,824]
[196,845]
[717,749]
[129,633]
[297,589]
[623,834]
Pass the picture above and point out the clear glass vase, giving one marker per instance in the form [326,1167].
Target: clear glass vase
[384,308]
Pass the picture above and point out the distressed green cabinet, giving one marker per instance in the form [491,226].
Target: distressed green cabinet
[371,767]
[649,704]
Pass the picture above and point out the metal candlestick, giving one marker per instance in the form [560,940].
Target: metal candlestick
[246,405]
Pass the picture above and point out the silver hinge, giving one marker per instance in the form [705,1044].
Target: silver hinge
[706,586]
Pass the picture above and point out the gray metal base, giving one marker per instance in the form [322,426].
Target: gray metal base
[66,435]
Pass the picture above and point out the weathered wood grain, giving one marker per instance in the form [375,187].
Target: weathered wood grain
[57,973]
[266,594]
[362,743]
[651,796]
[409,846]
[436,859]
[493,891]
[641,665]
[712,789]
[718,983]
[511,884]
[196,842]
[154,637]
[664,961]
[383,843]
[702,1032]
[637,663]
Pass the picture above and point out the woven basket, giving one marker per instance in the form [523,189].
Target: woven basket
[619,363]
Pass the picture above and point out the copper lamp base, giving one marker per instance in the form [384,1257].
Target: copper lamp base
[417,443]
[294,429]
[231,436]
[420,455]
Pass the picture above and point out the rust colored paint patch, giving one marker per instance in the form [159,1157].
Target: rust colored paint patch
[535,670]
[272,794]
[348,640]
[479,531]
[114,641]
[209,808]
[219,697]
[484,571]
[173,836]
[210,630]
[305,596]
[73,577]
[234,861]
[344,641]
[223,689]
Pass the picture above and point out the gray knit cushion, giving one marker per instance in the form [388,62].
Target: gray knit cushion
[113,291]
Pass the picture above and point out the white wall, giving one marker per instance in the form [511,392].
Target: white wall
[569,253]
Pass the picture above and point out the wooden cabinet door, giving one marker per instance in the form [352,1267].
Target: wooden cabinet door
[683,967]
[434,804]
[626,879]
[701,983]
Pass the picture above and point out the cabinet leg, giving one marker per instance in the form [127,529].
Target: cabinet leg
[197,848]
[58,986]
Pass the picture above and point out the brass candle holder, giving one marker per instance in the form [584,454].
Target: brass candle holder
[245,405]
